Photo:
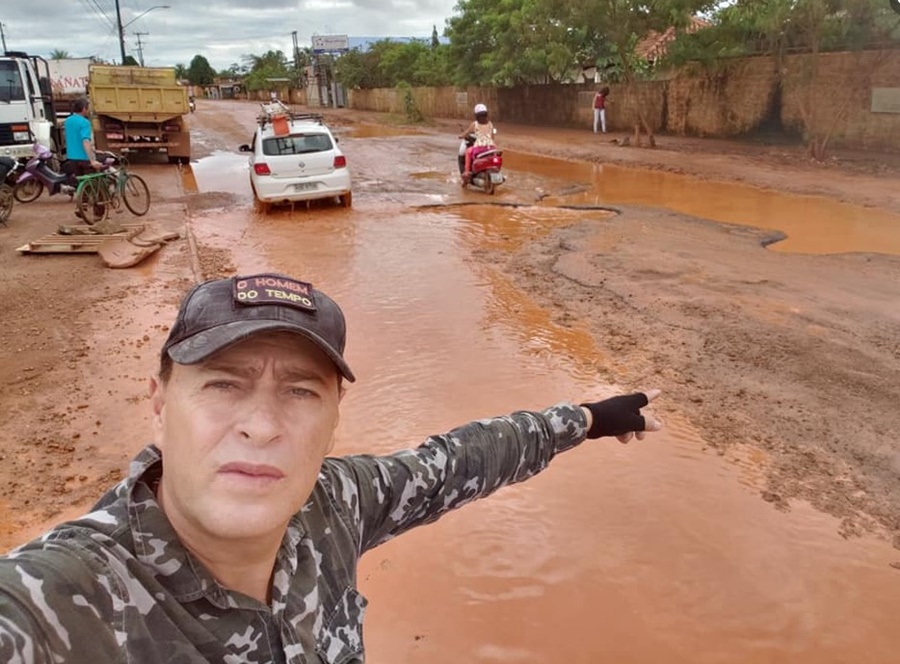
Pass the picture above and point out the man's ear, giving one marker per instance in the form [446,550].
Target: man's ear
[157,402]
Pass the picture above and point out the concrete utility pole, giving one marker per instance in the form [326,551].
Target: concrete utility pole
[140,46]
[3,37]
[121,31]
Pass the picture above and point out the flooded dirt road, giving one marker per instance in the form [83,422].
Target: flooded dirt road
[756,527]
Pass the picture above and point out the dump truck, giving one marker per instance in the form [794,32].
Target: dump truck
[26,105]
[139,108]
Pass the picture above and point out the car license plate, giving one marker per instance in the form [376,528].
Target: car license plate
[304,186]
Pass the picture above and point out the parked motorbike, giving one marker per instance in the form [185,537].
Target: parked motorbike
[9,168]
[192,105]
[485,173]
[39,173]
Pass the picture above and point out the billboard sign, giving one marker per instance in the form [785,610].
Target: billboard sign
[330,43]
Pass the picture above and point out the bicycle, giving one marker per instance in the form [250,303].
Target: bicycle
[106,190]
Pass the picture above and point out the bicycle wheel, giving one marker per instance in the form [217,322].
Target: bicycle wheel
[136,194]
[92,201]
[28,191]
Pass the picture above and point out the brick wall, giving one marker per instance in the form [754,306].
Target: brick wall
[737,98]
[840,97]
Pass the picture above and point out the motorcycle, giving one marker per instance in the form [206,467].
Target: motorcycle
[9,168]
[192,105]
[39,173]
[485,173]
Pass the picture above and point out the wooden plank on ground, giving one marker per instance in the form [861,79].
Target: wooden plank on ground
[66,243]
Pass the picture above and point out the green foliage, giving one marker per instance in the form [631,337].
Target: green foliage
[269,65]
[59,54]
[505,42]
[618,26]
[777,27]
[412,110]
[234,70]
[181,71]
[200,72]
[387,63]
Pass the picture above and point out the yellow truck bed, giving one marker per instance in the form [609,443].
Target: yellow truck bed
[139,108]
[130,102]
[141,76]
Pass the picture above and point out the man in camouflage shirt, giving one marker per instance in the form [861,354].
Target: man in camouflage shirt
[234,538]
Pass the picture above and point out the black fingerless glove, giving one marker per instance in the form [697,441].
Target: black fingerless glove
[617,416]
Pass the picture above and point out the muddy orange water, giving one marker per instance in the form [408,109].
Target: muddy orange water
[813,225]
[647,553]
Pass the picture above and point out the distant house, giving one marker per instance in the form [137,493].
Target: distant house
[654,46]
[223,88]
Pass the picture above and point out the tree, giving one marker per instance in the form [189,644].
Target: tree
[358,69]
[59,54]
[507,42]
[387,63]
[269,65]
[181,72]
[130,61]
[619,25]
[200,72]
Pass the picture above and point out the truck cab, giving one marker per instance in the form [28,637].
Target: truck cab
[26,105]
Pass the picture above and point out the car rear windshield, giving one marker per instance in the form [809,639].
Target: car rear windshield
[297,144]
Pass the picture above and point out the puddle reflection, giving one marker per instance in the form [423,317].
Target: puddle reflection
[221,171]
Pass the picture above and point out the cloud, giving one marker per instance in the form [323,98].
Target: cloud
[223,31]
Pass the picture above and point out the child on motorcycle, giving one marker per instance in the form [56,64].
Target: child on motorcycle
[483,130]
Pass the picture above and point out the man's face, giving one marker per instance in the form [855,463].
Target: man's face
[243,436]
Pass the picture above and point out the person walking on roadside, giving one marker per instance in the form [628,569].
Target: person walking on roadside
[236,536]
[600,109]
[81,158]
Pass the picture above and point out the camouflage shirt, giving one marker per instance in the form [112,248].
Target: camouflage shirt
[117,585]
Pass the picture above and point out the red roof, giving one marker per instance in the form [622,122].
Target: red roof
[655,44]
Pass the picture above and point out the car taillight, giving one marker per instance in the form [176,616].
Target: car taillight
[262,169]
[497,160]
[340,161]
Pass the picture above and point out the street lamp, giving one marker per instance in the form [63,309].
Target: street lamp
[122,27]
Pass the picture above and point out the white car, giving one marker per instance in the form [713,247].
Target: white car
[294,157]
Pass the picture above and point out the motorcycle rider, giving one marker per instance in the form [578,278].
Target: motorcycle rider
[484,131]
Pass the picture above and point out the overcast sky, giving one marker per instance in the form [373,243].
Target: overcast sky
[221,30]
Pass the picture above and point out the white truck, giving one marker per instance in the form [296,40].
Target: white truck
[68,81]
[26,105]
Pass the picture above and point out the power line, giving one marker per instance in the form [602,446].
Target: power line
[94,7]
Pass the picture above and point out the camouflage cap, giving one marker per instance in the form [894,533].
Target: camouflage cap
[219,313]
